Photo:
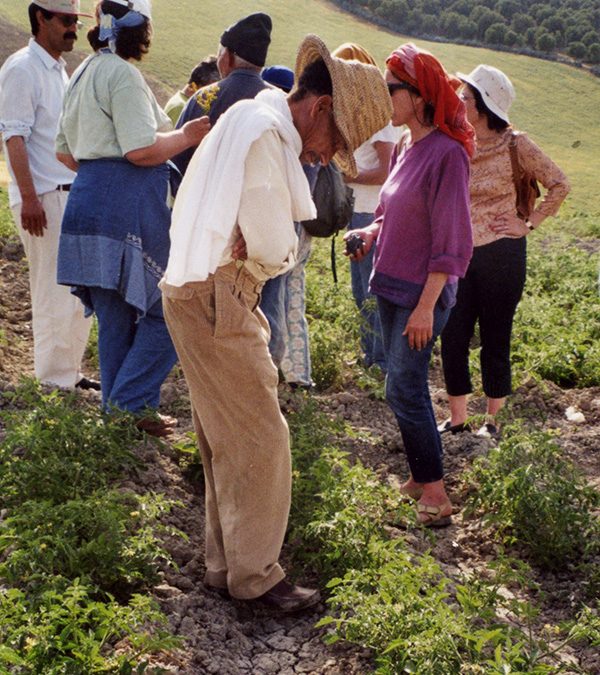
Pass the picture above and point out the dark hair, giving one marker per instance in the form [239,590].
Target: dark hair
[494,122]
[33,9]
[206,72]
[132,43]
[428,110]
[314,79]
[429,114]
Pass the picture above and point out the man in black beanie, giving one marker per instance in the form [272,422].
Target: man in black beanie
[242,54]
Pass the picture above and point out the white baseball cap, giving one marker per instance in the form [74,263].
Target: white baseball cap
[144,7]
[61,6]
[496,89]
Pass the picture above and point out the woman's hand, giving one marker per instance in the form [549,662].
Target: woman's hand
[368,235]
[196,130]
[419,328]
[509,225]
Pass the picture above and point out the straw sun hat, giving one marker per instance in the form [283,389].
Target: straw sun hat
[361,103]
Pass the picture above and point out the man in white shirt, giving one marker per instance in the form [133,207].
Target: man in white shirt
[233,228]
[32,84]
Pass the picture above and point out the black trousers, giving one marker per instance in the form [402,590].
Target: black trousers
[489,294]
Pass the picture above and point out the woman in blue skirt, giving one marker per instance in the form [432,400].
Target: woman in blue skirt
[114,242]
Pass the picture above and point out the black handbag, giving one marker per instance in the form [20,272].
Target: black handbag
[334,201]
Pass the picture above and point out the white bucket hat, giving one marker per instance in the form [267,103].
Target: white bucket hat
[495,88]
[144,7]
[61,6]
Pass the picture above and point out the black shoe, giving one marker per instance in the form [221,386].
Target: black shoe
[85,383]
[287,597]
[447,427]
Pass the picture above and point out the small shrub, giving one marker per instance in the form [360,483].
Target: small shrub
[537,499]
[58,448]
[107,539]
[556,334]
[405,609]
[70,632]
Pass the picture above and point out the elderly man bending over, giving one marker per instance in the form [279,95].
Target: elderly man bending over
[246,183]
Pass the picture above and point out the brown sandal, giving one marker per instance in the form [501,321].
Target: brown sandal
[435,516]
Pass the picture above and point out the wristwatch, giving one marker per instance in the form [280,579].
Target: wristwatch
[530,226]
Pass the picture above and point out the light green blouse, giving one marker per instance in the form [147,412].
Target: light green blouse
[108,110]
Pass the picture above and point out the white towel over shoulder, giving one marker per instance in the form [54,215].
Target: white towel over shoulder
[207,204]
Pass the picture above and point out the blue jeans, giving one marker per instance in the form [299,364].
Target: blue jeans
[272,304]
[136,354]
[407,390]
[360,273]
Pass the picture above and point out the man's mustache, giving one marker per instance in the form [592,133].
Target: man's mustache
[70,36]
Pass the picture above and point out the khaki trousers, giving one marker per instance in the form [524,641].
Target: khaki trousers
[60,330]
[221,338]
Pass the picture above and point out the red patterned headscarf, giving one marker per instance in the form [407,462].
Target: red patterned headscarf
[423,71]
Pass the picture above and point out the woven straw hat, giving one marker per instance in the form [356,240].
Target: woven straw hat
[361,102]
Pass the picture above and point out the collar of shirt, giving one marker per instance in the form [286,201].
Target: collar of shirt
[49,61]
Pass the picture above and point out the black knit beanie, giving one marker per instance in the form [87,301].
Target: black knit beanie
[249,38]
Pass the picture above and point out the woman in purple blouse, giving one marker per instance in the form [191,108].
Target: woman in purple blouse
[423,232]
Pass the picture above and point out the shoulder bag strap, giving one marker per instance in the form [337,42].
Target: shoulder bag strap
[514,160]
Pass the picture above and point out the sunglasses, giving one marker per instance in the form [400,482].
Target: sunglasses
[68,19]
[397,86]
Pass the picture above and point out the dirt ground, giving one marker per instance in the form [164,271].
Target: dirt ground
[229,638]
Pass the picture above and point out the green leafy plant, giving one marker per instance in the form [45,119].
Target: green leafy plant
[108,539]
[58,448]
[73,549]
[557,327]
[68,631]
[536,499]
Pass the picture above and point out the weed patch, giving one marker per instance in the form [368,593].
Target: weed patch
[537,499]
[557,326]
[398,603]
[73,550]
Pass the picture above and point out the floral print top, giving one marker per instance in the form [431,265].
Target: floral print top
[492,188]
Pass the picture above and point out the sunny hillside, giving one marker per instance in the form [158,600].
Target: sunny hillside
[558,105]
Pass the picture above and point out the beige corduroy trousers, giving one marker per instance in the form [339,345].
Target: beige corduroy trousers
[221,338]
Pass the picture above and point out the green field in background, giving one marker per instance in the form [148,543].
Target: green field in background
[559,106]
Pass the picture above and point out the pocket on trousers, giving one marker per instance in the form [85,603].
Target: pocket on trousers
[231,313]
[177,292]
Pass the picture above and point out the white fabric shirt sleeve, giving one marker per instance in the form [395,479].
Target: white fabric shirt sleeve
[17,102]
[265,214]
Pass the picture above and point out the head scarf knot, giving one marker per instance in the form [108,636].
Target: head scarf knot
[110,27]
[424,72]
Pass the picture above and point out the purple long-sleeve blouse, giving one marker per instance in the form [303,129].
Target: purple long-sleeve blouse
[425,221]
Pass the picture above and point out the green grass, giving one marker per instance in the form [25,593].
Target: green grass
[558,105]
[7,227]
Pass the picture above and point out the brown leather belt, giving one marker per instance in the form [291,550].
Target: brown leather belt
[64,188]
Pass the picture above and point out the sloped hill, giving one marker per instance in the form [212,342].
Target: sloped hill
[558,105]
